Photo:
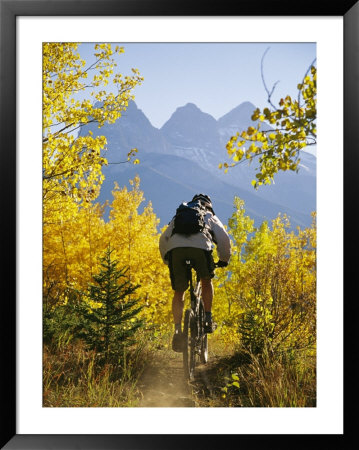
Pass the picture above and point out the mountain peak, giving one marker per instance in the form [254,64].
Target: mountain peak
[242,108]
[188,112]
[182,157]
[240,114]
[191,105]
[189,108]
[188,125]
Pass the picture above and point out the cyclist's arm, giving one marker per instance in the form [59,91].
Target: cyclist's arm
[163,242]
[222,239]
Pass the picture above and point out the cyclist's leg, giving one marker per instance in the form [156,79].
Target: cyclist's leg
[179,284]
[177,311]
[205,270]
[207,293]
[177,306]
[207,297]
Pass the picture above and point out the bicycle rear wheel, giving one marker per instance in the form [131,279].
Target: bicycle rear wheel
[204,339]
[189,357]
[204,349]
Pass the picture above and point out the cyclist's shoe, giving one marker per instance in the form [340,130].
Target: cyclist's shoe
[177,342]
[209,326]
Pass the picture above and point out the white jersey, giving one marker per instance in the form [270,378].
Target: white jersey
[199,240]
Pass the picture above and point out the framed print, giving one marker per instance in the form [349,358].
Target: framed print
[68,383]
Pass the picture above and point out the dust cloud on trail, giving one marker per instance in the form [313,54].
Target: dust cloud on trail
[163,383]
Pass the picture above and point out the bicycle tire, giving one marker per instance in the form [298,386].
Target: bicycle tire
[189,357]
[204,349]
[204,338]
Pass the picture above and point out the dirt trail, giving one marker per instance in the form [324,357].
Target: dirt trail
[163,384]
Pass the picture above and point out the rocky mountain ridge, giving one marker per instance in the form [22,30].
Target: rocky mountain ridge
[181,159]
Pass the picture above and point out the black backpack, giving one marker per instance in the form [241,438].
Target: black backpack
[189,218]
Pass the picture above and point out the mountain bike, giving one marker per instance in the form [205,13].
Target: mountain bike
[195,341]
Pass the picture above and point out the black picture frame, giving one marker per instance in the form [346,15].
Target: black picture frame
[9,11]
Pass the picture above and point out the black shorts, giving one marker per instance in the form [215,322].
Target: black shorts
[202,261]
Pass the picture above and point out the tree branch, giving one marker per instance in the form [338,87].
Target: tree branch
[269,94]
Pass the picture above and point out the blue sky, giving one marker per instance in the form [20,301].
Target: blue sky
[217,77]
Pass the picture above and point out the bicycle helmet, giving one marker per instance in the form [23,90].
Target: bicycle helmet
[205,200]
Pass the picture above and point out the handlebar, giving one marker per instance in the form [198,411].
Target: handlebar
[216,264]
[220,264]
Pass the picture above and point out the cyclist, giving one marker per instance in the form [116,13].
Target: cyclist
[176,248]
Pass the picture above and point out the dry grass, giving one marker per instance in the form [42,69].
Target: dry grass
[246,380]
[74,377]
[278,382]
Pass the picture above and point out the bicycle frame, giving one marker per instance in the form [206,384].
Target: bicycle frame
[196,340]
[196,290]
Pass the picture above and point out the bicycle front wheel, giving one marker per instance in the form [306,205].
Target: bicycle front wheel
[189,357]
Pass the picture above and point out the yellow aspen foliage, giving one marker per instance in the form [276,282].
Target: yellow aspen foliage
[281,297]
[71,247]
[74,94]
[229,285]
[134,237]
[267,296]
[72,162]
[278,135]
